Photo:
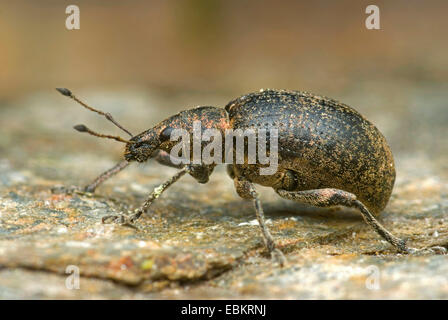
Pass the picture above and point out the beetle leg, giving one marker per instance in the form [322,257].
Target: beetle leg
[106,175]
[127,221]
[230,171]
[200,172]
[164,158]
[90,188]
[334,197]
[246,190]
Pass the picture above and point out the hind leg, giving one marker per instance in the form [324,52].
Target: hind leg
[334,197]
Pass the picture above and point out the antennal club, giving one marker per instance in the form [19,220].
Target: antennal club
[108,116]
[83,128]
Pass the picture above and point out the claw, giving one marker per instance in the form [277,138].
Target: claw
[84,193]
[89,189]
[438,250]
[64,189]
[279,257]
[429,250]
[111,219]
[120,219]
[71,190]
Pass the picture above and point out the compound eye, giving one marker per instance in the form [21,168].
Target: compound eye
[165,135]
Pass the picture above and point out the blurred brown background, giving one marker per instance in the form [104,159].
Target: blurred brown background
[214,46]
[144,60]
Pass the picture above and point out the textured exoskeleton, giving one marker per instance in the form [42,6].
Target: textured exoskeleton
[322,144]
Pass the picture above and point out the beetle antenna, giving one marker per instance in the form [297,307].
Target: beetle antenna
[108,116]
[83,128]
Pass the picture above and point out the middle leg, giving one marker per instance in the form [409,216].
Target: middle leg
[246,190]
[200,172]
[128,221]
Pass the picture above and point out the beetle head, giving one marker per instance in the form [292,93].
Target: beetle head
[144,145]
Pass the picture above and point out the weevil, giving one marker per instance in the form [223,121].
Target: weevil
[328,155]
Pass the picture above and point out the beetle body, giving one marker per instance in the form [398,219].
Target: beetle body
[321,142]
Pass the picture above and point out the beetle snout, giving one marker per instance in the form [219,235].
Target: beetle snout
[139,151]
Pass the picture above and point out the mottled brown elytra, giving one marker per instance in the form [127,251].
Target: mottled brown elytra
[328,155]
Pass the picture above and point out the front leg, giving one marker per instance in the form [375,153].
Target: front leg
[246,190]
[164,158]
[106,175]
[90,188]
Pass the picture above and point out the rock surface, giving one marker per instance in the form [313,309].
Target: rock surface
[201,241]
